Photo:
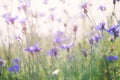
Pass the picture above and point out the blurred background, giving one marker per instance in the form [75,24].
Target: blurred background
[49,16]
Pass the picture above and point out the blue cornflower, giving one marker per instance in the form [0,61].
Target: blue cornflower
[9,19]
[66,46]
[101,26]
[114,30]
[84,5]
[16,61]
[24,5]
[94,39]
[58,40]
[23,21]
[58,37]
[14,68]
[53,52]
[111,58]
[33,49]
[102,7]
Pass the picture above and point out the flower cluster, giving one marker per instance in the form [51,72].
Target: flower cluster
[33,49]
[111,58]
[53,52]
[9,19]
[15,66]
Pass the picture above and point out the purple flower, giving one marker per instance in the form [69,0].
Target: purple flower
[23,21]
[16,61]
[9,19]
[14,68]
[58,40]
[58,37]
[101,26]
[114,30]
[24,5]
[102,8]
[84,5]
[94,39]
[33,49]
[53,52]
[111,58]
[45,1]
[67,46]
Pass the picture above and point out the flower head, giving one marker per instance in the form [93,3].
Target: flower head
[114,30]
[102,7]
[111,58]
[33,49]
[9,19]
[14,68]
[58,37]
[101,26]
[67,46]
[24,4]
[94,39]
[84,5]
[53,52]
[55,72]
[16,61]
[23,21]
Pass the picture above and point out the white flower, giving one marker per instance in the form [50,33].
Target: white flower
[55,72]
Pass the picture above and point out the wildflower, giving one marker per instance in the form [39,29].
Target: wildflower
[111,58]
[94,39]
[55,72]
[45,2]
[58,40]
[33,49]
[114,30]
[58,37]
[9,19]
[14,68]
[23,21]
[24,5]
[101,26]
[66,46]
[84,5]
[53,52]
[16,61]
[102,8]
